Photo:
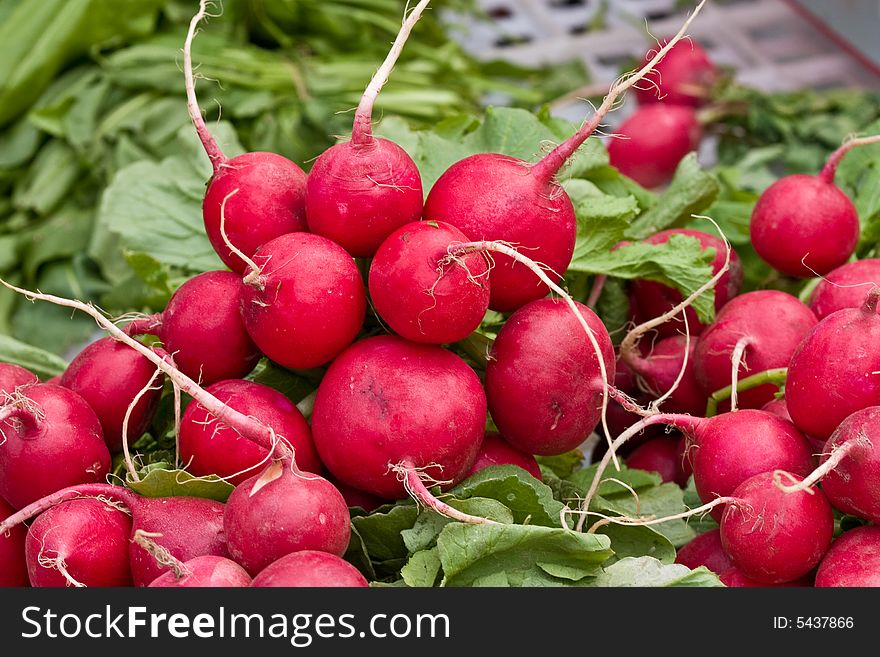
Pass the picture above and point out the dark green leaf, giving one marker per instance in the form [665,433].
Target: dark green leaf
[179,483]
[42,363]
[530,500]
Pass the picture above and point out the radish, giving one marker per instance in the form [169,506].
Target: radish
[271,201]
[543,382]
[82,542]
[832,374]
[705,550]
[109,375]
[777,406]
[49,438]
[387,406]
[756,331]
[735,578]
[494,450]
[198,572]
[13,566]
[306,303]
[207,446]
[309,568]
[853,560]
[648,145]
[654,299]
[358,192]
[284,510]
[13,376]
[659,455]
[421,293]
[805,225]
[202,328]
[659,371]
[495,197]
[684,77]
[845,287]
[772,536]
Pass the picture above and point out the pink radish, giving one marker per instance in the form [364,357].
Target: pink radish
[283,510]
[305,302]
[831,375]
[659,370]
[495,197]
[805,225]
[386,403]
[853,560]
[13,566]
[207,446]
[756,331]
[845,287]
[358,192]
[543,382]
[13,376]
[705,550]
[271,198]
[654,299]
[659,455]
[684,77]
[202,329]
[109,375]
[772,536]
[82,542]
[51,438]
[648,145]
[309,568]
[423,294]
[494,450]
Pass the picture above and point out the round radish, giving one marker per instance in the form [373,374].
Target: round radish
[13,566]
[684,77]
[109,375]
[831,375]
[309,568]
[654,299]
[280,511]
[208,446]
[648,146]
[82,542]
[543,382]
[494,450]
[51,439]
[769,325]
[206,571]
[385,402]
[704,550]
[845,287]
[772,536]
[658,372]
[659,455]
[777,406]
[308,302]
[13,376]
[853,560]
[423,294]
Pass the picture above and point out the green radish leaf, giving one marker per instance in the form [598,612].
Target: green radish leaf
[422,569]
[357,555]
[647,571]
[562,465]
[529,500]
[160,482]
[381,535]
[42,363]
[429,524]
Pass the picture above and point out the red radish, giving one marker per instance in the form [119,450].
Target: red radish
[423,294]
[831,375]
[734,578]
[51,438]
[359,192]
[386,402]
[684,77]
[495,197]
[13,376]
[307,302]
[654,299]
[109,375]
[202,329]
[309,568]
[805,225]
[659,455]
[756,331]
[772,536]
[853,560]
[206,571]
[13,566]
[83,542]
[543,382]
[496,451]
[777,406]
[845,287]
[705,550]
[207,446]
[283,510]
[648,146]
[659,371]
[271,189]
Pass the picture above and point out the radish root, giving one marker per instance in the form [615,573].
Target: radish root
[414,478]
[838,453]
[736,360]
[162,556]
